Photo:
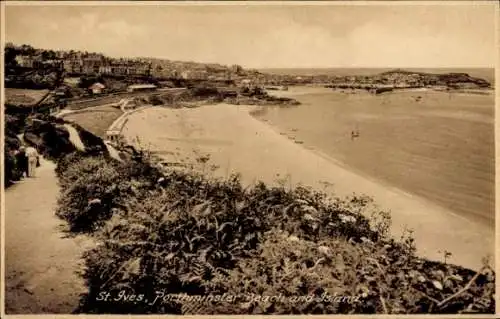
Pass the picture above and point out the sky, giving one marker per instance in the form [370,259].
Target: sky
[267,36]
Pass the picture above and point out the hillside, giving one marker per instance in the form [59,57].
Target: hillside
[166,238]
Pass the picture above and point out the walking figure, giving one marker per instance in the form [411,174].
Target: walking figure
[33,159]
[22,161]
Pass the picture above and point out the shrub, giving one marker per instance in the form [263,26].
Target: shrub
[204,91]
[155,100]
[93,143]
[186,237]
[84,177]
[163,233]
[74,207]
[52,140]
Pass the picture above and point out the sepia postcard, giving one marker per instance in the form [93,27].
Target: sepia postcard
[240,159]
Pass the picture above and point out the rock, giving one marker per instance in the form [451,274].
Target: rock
[437,284]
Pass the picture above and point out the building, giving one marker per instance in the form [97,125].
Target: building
[73,66]
[119,68]
[141,88]
[246,83]
[105,69]
[56,64]
[139,68]
[71,81]
[61,92]
[24,61]
[91,63]
[114,136]
[97,88]
[199,75]
[186,75]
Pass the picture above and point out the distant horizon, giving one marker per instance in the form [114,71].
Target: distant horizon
[271,36]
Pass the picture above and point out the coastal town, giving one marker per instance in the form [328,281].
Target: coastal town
[76,73]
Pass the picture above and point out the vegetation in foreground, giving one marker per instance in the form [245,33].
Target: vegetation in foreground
[172,233]
[163,234]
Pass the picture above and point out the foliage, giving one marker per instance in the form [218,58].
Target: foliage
[51,140]
[85,178]
[177,232]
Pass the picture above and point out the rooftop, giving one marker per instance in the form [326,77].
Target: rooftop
[97,85]
[142,86]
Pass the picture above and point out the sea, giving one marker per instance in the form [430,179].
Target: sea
[435,145]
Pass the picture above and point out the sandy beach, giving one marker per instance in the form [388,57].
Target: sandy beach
[237,142]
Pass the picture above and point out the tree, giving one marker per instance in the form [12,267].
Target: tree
[27,49]
[48,55]
[10,56]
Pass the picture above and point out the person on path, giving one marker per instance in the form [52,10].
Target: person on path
[22,161]
[33,159]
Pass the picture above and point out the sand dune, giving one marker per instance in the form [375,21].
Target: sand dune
[259,152]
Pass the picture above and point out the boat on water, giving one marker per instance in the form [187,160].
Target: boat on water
[355,133]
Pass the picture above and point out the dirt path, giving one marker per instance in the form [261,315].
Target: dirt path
[40,263]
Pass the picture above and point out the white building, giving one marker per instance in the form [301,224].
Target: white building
[24,61]
[141,87]
[97,88]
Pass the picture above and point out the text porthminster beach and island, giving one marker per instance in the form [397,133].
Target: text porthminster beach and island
[167,186]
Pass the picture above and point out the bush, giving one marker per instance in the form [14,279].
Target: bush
[84,178]
[205,91]
[93,143]
[155,100]
[163,233]
[52,140]
[74,203]
[11,171]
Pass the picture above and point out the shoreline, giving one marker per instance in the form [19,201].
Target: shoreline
[485,220]
[257,151]
[469,217]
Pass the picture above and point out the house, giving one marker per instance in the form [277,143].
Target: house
[114,136]
[246,83]
[62,91]
[97,88]
[71,81]
[119,69]
[24,61]
[105,69]
[186,75]
[227,92]
[199,75]
[141,87]
[73,66]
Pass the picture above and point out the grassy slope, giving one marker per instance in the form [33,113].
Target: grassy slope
[97,121]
